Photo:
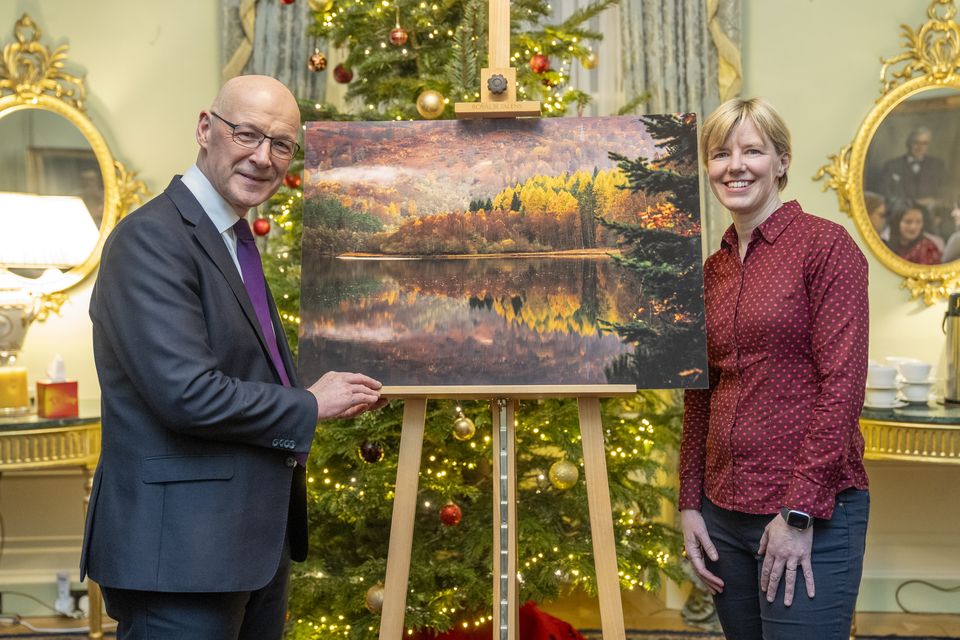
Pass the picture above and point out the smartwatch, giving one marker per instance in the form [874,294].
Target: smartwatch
[796,519]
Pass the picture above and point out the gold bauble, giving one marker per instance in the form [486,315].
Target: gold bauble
[320,6]
[374,598]
[563,474]
[591,61]
[430,104]
[463,428]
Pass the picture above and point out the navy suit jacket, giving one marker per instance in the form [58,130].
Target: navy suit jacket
[898,181]
[197,485]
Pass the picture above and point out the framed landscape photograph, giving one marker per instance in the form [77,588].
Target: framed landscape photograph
[504,252]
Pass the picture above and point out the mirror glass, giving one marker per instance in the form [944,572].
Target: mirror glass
[911,178]
[43,153]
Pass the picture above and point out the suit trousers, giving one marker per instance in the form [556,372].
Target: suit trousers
[837,559]
[231,615]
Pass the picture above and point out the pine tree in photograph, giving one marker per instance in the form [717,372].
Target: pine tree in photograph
[399,50]
[663,258]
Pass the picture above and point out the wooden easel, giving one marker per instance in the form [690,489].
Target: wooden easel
[502,104]
[505,596]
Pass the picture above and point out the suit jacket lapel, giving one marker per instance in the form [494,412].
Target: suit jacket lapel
[212,243]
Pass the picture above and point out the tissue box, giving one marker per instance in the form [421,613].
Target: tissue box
[57,399]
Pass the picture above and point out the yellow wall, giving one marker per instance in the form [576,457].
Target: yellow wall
[817,61]
[151,66]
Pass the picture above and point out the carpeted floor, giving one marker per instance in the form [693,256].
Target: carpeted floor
[594,634]
[590,634]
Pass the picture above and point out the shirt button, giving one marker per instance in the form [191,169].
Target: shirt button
[290,462]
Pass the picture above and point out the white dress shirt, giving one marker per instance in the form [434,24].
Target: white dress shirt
[220,213]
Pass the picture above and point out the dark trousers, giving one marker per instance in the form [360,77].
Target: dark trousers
[837,559]
[231,615]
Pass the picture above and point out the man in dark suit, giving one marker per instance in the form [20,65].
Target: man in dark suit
[915,175]
[199,499]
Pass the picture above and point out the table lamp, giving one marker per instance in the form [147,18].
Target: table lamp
[41,235]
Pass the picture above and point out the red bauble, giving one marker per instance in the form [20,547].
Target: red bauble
[261,226]
[342,75]
[292,180]
[398,36]
[539,63]
[288,1]
[450,514]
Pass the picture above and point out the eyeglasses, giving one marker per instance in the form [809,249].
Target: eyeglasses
[246,136]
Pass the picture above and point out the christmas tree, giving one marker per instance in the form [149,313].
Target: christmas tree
[396,52]
[352,471]
[400,50]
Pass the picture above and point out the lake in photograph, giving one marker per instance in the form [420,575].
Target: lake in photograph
[510,321]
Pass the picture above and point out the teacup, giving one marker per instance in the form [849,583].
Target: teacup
[915,371]
[915,391]
[878,397]
[879,376]
[895,361]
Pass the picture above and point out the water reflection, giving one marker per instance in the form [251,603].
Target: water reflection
[468,321]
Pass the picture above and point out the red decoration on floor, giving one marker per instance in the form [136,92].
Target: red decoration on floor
[534,625]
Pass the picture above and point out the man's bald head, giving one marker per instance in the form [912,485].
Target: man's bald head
[242,91]
[247,176]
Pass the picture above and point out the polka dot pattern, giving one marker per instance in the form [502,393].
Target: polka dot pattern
[787,336]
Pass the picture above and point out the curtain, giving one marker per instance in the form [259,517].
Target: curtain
[270,38]
[686,54]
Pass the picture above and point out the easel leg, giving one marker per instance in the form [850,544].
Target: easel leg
[505,597]
[401,524]
[601,519]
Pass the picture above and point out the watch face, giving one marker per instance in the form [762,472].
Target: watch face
[798,519]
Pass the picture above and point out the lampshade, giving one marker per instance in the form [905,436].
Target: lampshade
[38,232]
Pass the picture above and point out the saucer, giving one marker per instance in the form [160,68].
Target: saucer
[905,401]
[870,386]
[928,380]
[896,404]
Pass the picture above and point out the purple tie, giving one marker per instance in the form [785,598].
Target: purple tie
[256,286]
[252,270]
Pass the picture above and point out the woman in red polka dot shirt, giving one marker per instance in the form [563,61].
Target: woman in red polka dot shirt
[773,492]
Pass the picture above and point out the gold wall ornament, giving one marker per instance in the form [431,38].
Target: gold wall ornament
[33,84]
[933,50]
[30,69]
[930,60]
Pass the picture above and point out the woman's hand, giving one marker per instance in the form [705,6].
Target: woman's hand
[697,542]
[785,548]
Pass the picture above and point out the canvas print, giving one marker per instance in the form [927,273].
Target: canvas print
[504,252]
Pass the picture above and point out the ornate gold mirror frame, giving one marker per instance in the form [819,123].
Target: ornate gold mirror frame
[33,77]
[930,61]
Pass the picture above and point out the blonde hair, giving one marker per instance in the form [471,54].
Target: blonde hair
[719,124]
